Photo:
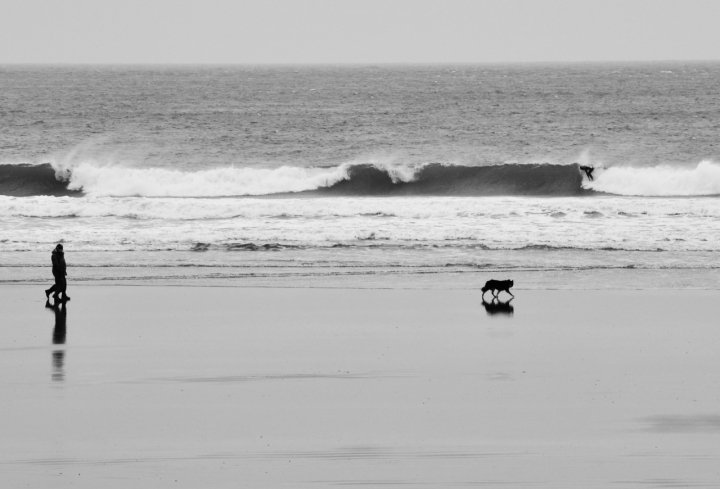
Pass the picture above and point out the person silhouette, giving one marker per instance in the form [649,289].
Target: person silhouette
[588,171]
[59,271]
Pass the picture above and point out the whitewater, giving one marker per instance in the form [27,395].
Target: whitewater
[104,223]
[113,181]
[98,180]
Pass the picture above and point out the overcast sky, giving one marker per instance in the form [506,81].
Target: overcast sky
[356,31]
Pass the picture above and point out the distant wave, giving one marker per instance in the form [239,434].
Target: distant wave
[663,180]
[347,179]
[432,179]
[456,180]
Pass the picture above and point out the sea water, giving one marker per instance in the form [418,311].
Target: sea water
[216,174]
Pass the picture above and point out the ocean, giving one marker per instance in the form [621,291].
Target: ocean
[382,176]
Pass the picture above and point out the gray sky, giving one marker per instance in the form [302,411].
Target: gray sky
[356,31]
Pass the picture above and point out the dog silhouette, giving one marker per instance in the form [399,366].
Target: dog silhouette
[497,286]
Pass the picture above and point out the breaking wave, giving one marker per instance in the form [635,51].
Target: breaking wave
[29,180]
[431,179]
[660,181]
[347,179]
[456,180]
[117,181]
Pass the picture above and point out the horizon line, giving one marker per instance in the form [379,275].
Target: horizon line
[368,63]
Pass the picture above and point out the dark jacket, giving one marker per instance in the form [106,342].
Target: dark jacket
[58,263]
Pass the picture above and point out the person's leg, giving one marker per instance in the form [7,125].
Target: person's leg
[55,289]
[59,287]
[64,289]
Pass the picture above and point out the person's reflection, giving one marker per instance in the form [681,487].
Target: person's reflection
[58,338]
[497,307]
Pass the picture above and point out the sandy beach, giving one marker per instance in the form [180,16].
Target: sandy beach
[268,387]
[274,220]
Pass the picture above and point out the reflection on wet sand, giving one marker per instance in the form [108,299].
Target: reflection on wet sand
[290,376]
[339,453]
[497,307]
[317,387]
[58,361]
[58,338]
[690,423]
[299,376]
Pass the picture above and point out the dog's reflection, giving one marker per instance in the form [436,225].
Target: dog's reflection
[58,338]
[497,307]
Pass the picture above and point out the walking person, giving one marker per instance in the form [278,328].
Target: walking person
[59,270]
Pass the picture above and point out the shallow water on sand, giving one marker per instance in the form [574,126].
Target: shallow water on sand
[192,386]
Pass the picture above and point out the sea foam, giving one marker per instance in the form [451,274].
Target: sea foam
[359,179]
[663,180]
[138,223]
[118,181]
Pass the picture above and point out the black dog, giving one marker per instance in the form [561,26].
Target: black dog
[499,286]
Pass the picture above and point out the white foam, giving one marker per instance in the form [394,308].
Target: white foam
[138,223]
[664,180]
[119,181]
[398,172]
[111,177]
[444,208]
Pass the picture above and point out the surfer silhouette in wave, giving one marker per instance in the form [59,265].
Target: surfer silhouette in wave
[588,171]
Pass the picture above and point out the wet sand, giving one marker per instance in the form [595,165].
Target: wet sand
[248,387]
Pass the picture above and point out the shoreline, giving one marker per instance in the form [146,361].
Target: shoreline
[358,277]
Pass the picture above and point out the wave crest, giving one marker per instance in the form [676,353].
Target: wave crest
[347,179]
[355,179]
[358,179]
[24,180]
